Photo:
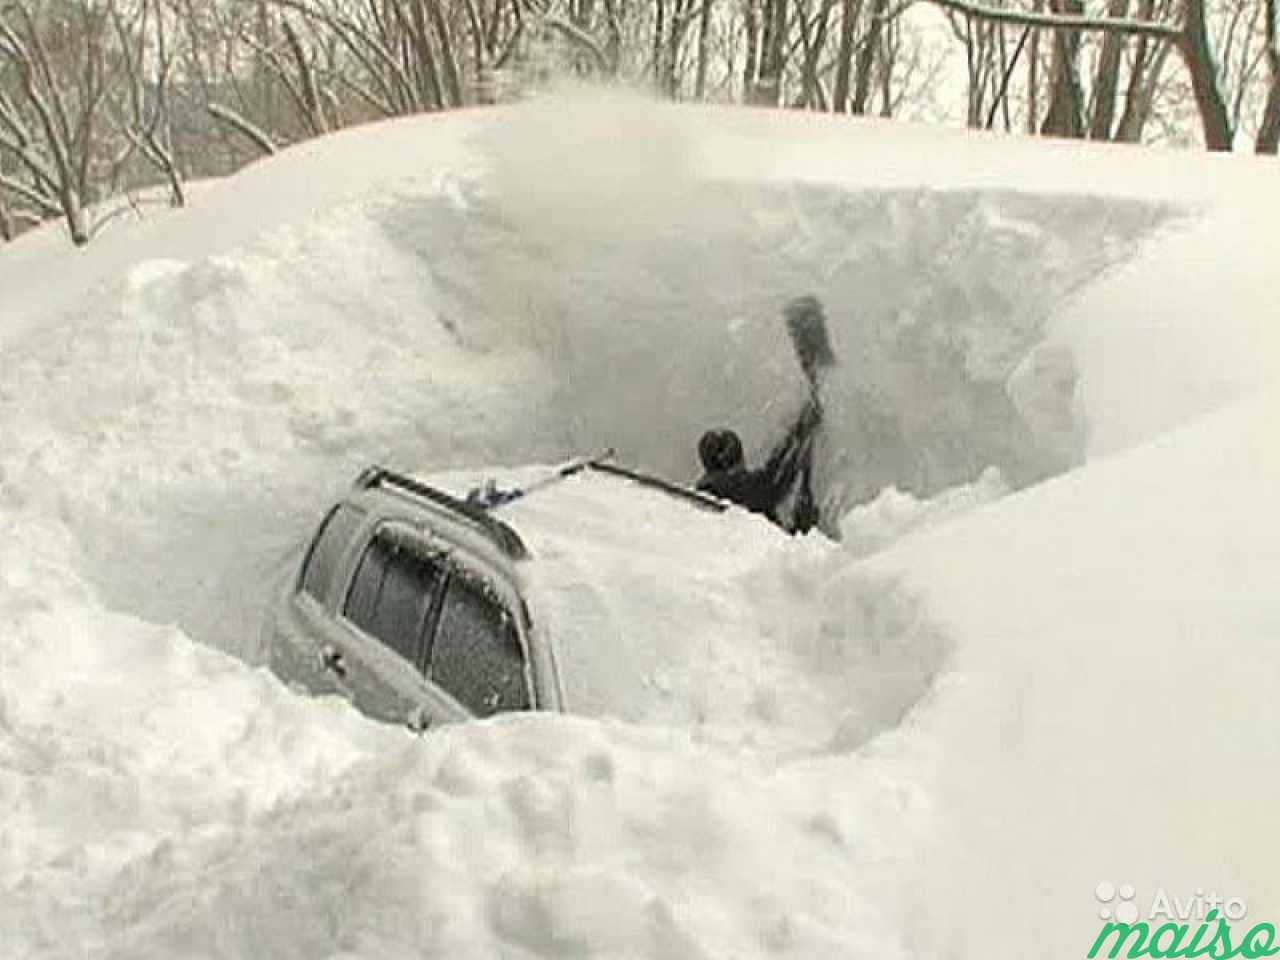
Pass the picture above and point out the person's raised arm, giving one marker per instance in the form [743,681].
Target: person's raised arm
[785,459]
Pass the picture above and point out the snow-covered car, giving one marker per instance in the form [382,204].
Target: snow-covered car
[581,592]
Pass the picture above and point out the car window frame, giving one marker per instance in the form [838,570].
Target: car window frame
[509,599]
[325,601]
[414,539]
[449,552]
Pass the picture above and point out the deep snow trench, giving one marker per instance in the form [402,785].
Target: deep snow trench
[449,323]
[933,297]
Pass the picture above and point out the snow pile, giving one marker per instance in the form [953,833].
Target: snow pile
[162,800]
[1109,716]
[122,744]
[894,514]
[191,418]
[1186,329]
[941,747]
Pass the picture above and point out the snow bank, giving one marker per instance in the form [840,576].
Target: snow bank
[1107,716]
[162,800]
[1006,708]
[1184,330]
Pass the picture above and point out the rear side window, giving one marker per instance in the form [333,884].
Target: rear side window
[326,550]
[476,656]
[392,593]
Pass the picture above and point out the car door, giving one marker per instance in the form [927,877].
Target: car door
[385,616]
[302,646]
[478,653]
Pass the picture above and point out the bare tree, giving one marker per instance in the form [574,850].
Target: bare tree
[1190,39]
[48,118]
[1269,129]
[850,10]
[147,124]
[869,49]
[764,86]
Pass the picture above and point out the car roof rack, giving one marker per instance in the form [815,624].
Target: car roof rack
[502,535]
[703,501]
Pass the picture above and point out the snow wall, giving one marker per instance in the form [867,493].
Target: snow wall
[528,290]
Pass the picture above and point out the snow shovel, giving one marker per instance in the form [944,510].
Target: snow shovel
[807,326]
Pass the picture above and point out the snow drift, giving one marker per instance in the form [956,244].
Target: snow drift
[515,285]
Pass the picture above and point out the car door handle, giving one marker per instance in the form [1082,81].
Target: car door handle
[332,661]
[419,720]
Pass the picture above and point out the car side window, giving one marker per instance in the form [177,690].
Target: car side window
[476,656]
[392,593]
[326,549]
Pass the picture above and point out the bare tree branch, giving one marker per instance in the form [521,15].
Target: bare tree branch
[46,205]
[253,133]
[580,37]
[1021,18]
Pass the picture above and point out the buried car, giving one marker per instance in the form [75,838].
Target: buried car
[593,589]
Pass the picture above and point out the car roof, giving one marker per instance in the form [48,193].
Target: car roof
[647,600]
[445,506]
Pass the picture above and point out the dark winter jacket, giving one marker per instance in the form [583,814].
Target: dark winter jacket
[753,489]
[763,490]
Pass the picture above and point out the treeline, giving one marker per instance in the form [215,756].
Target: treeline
[103,99]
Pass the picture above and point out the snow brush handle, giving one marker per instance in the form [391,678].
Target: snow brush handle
[491,499]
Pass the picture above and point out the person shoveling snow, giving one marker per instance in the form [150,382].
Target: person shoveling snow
[789,467]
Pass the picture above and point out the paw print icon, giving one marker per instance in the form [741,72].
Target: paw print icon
[1116,902]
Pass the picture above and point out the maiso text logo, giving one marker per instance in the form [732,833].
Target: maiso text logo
[1199,925]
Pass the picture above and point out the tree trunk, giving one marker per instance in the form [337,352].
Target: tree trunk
[77,221]
[1033,80]
[671,81]
[444,40]
[778,60]
[867,55]
[999,101]
[1002,92]
[972,59]
[704,31]
[429,86]
[768,84]
[613,43]
[1107,79]
[659,48]
[1268,137]
[813,38]
[849,11]
[260,76]
[1269,129]
[1197,53]
[1149,63]
[1150,86]
[312,114]
[1129,130]
[753,41]
[889,42]
[1063,118]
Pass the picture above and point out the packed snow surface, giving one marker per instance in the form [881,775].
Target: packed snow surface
[1040,657]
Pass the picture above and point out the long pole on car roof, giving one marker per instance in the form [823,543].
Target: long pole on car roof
[490,498]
